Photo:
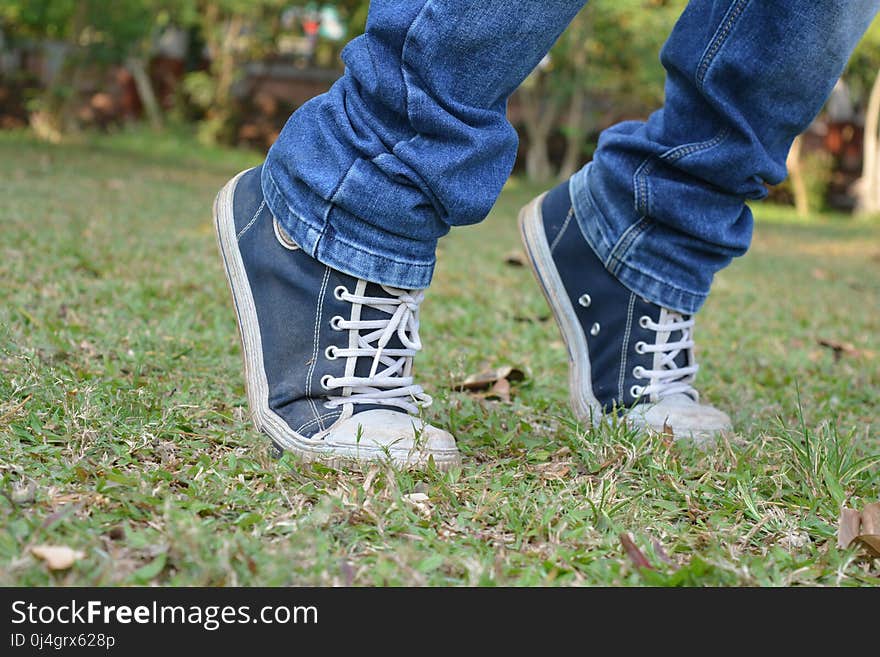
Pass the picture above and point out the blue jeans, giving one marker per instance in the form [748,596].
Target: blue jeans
[414,139]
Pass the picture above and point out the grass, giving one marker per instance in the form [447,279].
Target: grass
[124,434]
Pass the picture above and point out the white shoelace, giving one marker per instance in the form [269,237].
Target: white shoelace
[666,377]
[392,385]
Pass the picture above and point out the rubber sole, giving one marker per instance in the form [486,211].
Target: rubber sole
[531,227]
[584,404]
[256,384]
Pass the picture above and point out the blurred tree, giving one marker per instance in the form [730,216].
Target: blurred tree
[238,31]
[863,77]
[87,33]
[608,56]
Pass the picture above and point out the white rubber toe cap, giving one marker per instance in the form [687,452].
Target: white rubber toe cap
[689,420]
[379,434]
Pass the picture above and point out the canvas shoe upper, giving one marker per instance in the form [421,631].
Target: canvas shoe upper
[328,357]
[626,353]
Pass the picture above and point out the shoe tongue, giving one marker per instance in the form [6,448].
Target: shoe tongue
[363,366]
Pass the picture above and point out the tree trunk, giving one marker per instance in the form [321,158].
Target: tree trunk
[798,184]
[538,167]
[869,186]
[575,133]
[145,90]
[539,116]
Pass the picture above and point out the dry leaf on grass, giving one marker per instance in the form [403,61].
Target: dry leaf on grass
[515,258]
[57,557]
[634,553]
[855,528]
[840,348]
[421,502]
[492,384]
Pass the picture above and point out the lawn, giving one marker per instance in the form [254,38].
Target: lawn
[124,432]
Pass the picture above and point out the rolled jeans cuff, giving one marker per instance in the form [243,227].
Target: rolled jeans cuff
[336,238]
[626,256]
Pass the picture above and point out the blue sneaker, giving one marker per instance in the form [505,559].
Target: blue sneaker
[626,354]
[328,358]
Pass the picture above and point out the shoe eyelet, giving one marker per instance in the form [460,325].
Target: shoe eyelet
[639,372]
[594,330]
[585,300]
[640,347]
[334,323]
[644,320]
[330,353]
[636,391]
[325,381]
[339,291]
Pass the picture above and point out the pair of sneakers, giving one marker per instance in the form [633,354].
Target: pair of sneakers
[328,357]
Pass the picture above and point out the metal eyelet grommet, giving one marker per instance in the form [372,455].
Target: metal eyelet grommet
[325,381]
[330,353]
[339,291]
[595,329]
[644,320]
[639,372]
[640,347]
[334,323]
[585,300]
[636,391]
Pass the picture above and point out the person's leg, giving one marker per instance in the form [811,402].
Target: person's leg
[328,246]
[627,250]
[663,202]
[413,138]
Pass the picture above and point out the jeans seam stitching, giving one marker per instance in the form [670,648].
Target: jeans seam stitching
[331,203]
[640,184]
[679,152]
[673,286]
[359,249]
[290,212]
[615,258]
[718,40]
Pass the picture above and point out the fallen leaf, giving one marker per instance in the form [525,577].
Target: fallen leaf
[88,349]
[421,502]
[529,318]
[848,526]
[870,536]
[855,528]
[515,258]
[634,553]
[668,434]
[554,470]
[840,348]
[485,380]
[57,557]
[116,533]
[501,390]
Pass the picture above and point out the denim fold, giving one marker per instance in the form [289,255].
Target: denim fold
[413,139]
